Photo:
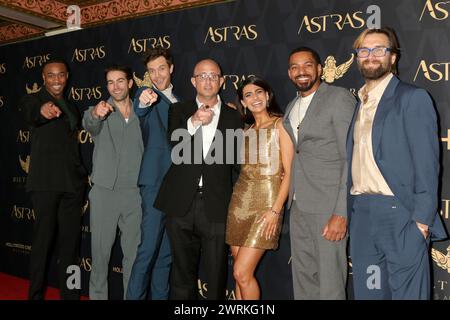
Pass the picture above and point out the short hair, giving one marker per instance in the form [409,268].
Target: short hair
[124,69]
[273,108]
[55,60]
[154,53]
[393,42]
[313,52]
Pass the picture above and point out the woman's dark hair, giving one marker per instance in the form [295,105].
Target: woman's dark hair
[273,109]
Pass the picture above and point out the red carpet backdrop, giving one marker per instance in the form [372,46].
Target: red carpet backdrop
[251,37]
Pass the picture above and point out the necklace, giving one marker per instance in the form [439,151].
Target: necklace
[299,112]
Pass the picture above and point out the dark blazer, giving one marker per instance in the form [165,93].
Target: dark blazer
[405,145]
[156,160]
[179,185]
[55,163]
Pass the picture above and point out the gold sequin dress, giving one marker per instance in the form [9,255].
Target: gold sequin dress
[256,189]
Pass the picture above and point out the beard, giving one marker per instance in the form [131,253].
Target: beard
[120,97]
[303,87]
[374,73]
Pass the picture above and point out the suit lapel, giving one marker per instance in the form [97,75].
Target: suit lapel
[384,106]
[286,119]
[162,109]
[71,116]
[349,145]
[313,109]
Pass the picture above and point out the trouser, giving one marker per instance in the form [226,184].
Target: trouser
[109,209]
[319,266]
[189,235]
[153,259]
[389,253]
[61,211]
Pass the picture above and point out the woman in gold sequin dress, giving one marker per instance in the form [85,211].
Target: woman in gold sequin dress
[254,214]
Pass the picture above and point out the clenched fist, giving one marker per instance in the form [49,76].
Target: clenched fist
[101,110]
[49,110]
[203,115]
[148,97]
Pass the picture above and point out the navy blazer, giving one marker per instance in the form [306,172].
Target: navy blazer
[405,145]
[156,159]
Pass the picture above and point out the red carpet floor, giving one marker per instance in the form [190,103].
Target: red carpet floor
[14,288]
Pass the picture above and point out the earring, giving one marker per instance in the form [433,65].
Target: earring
[267,105]
[245,111]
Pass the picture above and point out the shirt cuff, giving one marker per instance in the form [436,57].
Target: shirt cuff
[142,106]
[191,129]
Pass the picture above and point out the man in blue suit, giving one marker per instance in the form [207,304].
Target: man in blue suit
[393,152]
[153,259]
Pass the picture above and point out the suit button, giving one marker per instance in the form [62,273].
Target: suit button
[296,151]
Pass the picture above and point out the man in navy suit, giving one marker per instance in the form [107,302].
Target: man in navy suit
[393,152]
[153,259]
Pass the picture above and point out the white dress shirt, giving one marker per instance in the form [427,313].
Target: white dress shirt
[208,130]
[298,112]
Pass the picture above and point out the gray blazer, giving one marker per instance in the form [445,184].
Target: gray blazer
[108,136]
[319,173]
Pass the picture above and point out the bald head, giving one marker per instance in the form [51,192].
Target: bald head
[207,80]
[210,64]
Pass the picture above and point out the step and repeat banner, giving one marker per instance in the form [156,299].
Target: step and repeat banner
[251,37]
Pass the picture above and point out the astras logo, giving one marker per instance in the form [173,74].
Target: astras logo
[354,20]
[436,10]
[434,72]
[223,34]
[82,55]
[79,94]
[141,45]
[34,61]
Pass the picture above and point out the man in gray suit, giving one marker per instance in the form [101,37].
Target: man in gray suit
[317,121]
[114,198]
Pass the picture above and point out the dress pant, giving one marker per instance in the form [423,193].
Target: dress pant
[151,268]
[390,256]
[189,235]
[110,209]
[319,266]
[59,211]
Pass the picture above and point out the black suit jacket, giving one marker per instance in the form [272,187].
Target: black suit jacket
[55,158]
[179,185]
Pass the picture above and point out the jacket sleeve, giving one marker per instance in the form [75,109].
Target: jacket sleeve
[91,124]
[343,113]
[30,110]
[420,123]
[177,120]
[141,112]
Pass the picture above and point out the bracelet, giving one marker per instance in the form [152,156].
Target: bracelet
[274,212]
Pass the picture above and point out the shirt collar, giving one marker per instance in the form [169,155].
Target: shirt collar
[376,92]
[215,107]
[168,91]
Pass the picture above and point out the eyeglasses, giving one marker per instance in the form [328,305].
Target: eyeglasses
[204,76]
[376,52]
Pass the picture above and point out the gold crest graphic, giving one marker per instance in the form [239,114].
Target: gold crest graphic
[25,165]
[35,88]
[442,260]
[146,82]
[332,72]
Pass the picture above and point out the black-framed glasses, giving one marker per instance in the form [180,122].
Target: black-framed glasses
[204,76]
[376,52]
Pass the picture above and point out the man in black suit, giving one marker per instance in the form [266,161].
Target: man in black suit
[55,179]
[195,192]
